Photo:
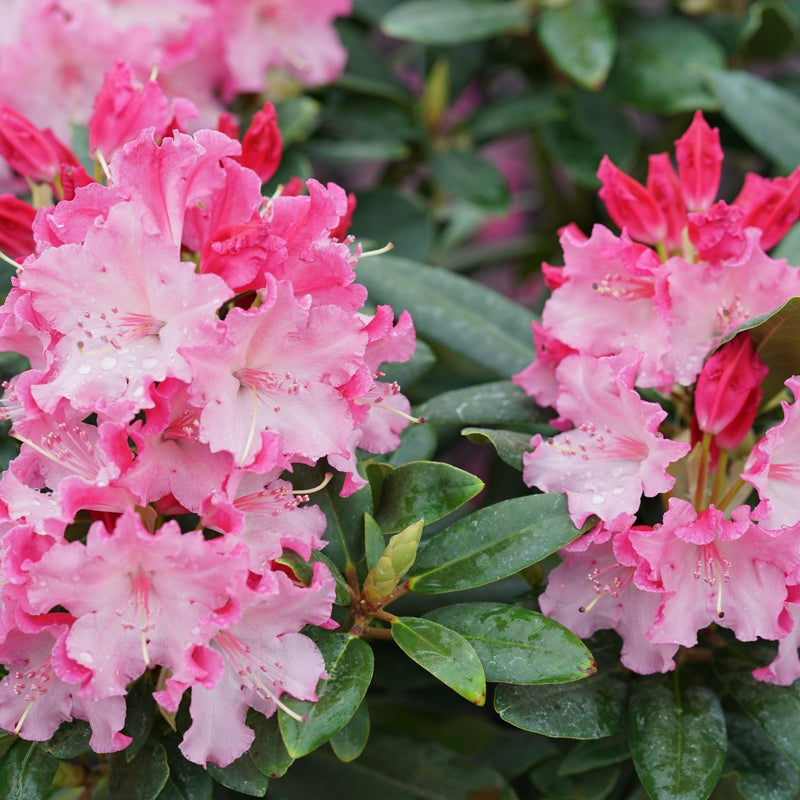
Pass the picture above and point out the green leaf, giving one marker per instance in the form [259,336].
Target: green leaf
[70,740]
[514,114]
[454,311]
[775,709]
[763,772]
[766,115]
[590,709]
[241,776]
[452,22]
[374,543]
[345,515]
[426,490]
[663,63]
[579,36]
[549,780]
[297,118]
[342,593]
[187,781]
[417,443]
[496,403]
[395,768]
[143,777]
[444,653]
[357,150]
[406,372]
[677,737]
[467,176]
[493,542]
[770,31]
[517,645]
[509,445]
[595,127]
[26,771]
[141,710]
[349,663]
[268,752]
[592,754]
[384,216]
[775,337]
[349,742]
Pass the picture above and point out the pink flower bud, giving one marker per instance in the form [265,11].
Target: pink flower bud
[664,186]
[72,178]
[699,157]
[261,145]
[718,233]
[228,125]
[16,219]
[31,151]
[631,205]
[728,391]
[770,204]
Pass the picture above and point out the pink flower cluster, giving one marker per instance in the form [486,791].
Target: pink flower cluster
[647,310]
[53,53]
[190,341]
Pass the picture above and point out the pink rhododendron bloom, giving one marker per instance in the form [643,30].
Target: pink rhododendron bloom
[615,453]
[261,144]
[774,467]
[665,187]
[710,569]
[770,204]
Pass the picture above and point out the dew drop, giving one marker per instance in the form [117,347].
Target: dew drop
[617,491]
[85,657]
[84,369]
[149,363]
[109,362]
[598,499]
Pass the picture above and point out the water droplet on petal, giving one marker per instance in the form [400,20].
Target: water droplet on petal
[85,657]
[84,369]
[598,499]
[109,362]
[149,363]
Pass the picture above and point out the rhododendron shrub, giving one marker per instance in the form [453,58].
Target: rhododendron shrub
[672,304]
[176,373]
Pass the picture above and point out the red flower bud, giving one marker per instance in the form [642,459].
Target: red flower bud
[770,204]
[664,186]
[261,146]
[631,205]
[699,157]
[16,235]
[32,152]
[728,391]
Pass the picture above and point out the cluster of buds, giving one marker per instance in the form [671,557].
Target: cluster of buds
[190,341]
[665,307]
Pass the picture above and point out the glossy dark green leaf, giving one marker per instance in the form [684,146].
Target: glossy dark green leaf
[268,752]
[587,786]
[454,311]
[297,118]
[187,781]
[426,490]
[417,443]
[589,709]
[349,663]
[70,740]
[342,594]
[775,709]
[579,37]
[763,113]
[592,754]
[593,128]
[373,540]
[345,515]
[514,114]
[452,22]
[771,30]
[358,150]
[517,645]
[677,737]
[496,403]
[444,653]
[406,372]
[467,176]
[510,445]
[141,710]
[394,768]
[26,771]
[775,337]
[762,771]
[663,64]
[492,543]
[349,742]
[387,216]
[241,776]
[142,778]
